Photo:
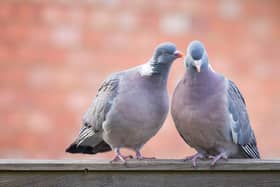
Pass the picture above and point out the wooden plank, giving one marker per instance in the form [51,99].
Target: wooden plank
[139,178]
[152,173]
[135,165]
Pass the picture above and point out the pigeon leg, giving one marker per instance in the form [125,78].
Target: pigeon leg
[120,157]
[193,158]
[218,157]
[139,156]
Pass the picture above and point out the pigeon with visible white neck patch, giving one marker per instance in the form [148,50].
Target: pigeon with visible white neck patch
[129,108]
[210,113]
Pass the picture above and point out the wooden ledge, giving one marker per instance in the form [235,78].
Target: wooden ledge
[153,173]
[135,165]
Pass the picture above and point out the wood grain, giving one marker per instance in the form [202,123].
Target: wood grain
[138,173]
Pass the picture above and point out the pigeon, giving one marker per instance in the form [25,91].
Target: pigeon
[129,109]
[210,113]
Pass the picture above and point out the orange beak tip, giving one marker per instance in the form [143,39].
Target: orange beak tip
[178,54]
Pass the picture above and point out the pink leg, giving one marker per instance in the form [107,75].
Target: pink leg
[120,157]
[218,157]
[193,158]
[139,156]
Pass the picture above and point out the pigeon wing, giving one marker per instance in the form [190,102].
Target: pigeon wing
[241,131]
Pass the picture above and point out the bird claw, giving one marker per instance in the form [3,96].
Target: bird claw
[115,159]
[216,158]
[194,158]
[121,158]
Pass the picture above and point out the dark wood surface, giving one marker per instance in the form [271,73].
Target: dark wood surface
[138,173]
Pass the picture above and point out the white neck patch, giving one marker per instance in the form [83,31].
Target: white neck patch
[146,69]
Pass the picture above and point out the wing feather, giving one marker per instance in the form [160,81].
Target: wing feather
[242,133]
[89,140]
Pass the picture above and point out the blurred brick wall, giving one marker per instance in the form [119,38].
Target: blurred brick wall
[54,55]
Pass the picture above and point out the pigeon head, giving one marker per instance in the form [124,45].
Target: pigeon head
[166,53]
[161,61]
[196,57]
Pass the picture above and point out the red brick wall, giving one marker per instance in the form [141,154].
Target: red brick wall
[54,54]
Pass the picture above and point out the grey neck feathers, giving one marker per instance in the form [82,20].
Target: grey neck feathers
[194,75]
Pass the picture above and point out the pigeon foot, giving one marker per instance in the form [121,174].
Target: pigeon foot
[218,157]
[120,157]
[194,158]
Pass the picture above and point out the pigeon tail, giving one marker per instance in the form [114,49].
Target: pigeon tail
[99,148]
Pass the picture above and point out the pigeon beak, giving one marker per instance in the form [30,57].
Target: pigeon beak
[197,64]
[178,54]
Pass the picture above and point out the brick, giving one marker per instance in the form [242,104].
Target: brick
[230,9]
[175,24]
[66,36]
